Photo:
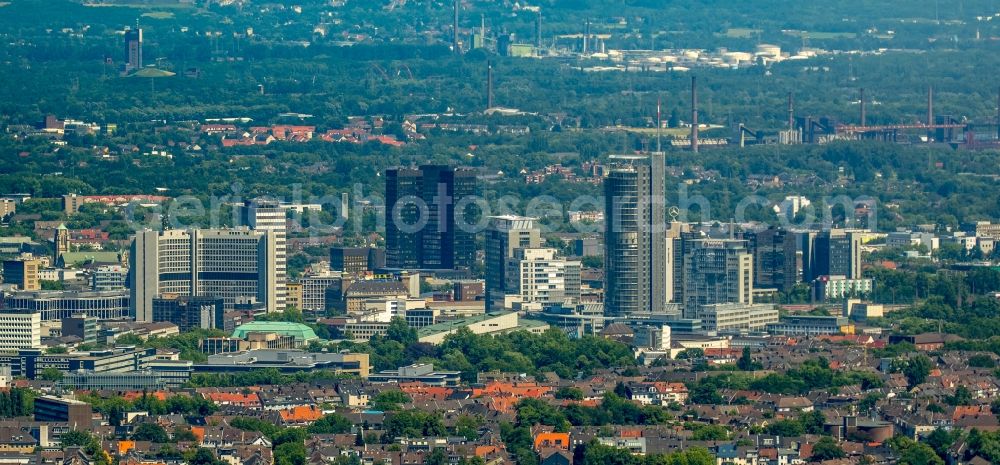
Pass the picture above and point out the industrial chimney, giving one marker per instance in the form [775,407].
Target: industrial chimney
[694,114]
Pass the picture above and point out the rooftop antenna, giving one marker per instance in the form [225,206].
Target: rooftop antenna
[658,124]
[791,112]
[863,116]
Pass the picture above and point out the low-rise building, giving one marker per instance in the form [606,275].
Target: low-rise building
[737,317]
[421,372]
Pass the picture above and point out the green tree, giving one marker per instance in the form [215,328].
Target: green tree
[331,423]
[569,392]
[826,449]
[916,369]
[468,426]
[290,453]
[150,432]
[914,453]
[710,433]
[75,438]
[400,331]
[746,362]
[389,400]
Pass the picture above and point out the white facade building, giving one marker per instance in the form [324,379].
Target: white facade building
[235,264]
[20,330]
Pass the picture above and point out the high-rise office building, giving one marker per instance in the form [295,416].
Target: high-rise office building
[716,271]
[537,276]
[774,258]
[267,215]
[22,273]
[505,235]
[835,252]
[424,210]
[234,264]
[677,234]
[133,50]
[635,238]
[190,312]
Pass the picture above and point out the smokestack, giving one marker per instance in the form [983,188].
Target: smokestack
[454,29]
[489,84]
[538,29]
[482,30]
[791,112]
[863,116]
[586,35]
[930,112]
[694,114]
[930,105]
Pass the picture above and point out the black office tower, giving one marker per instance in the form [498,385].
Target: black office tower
[424,229]
[774,259]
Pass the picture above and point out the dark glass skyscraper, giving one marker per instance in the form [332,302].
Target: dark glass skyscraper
[635,238]
[423,225]
[774,258]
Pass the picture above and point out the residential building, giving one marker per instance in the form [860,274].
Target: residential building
[22,273]
[20,330]
[190,312]
[716,271]
[426,209]
[838,287]
[233,264]
[634,242]
[504,236]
